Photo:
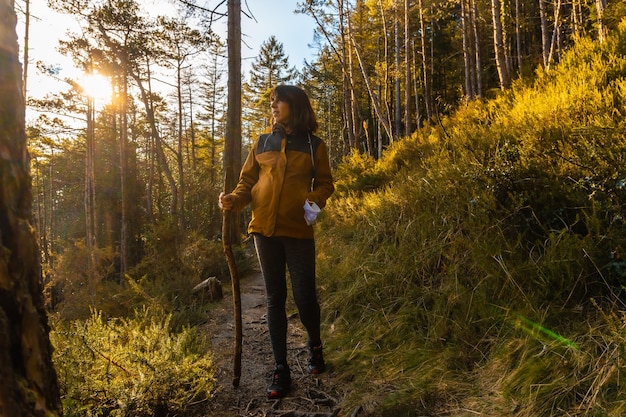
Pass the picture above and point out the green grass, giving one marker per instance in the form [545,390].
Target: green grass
[468,271]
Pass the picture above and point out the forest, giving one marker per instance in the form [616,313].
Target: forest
[471,261]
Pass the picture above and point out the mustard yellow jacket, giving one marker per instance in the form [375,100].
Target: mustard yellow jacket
[278,176]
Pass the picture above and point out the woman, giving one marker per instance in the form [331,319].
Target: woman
[286,174]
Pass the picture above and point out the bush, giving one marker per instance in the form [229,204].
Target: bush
[131,367]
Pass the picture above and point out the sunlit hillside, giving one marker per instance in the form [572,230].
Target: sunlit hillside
[478,267]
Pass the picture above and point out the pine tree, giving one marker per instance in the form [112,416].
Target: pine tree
[28,382]
[270,68]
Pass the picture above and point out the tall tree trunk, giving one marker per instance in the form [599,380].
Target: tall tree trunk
[41,219]
[577,17]
[151,178]
[28,382]
[90,185]
[397,85]
[232,165]
[232,140]
[354,107]
[49,213]
[426,74]
[555,32]
[124,194]
[383,92]
[213,127]
[518,36]
[600,6]
[26,47]
[476,36]
[179,151]
[408,128]
[346,58]
[468,53]
[545,41]
[416,83]
[192,127]
[498,44]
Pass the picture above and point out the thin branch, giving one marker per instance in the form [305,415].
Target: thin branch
[204,9]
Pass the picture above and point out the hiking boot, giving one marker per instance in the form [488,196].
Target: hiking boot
[281,381]
[316,360]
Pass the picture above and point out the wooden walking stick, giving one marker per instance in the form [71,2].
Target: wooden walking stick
[227,240]
[232,145]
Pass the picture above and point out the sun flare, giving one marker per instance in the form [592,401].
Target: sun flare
[97,86]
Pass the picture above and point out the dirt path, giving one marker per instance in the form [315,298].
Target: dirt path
[310,396]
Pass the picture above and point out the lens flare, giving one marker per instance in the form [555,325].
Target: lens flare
[531,327]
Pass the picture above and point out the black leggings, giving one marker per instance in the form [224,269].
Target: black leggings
[299,256]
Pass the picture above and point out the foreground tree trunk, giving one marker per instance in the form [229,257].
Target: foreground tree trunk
[28,383]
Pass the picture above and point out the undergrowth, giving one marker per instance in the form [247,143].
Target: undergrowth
[131,366]
[486,254]
[131,346]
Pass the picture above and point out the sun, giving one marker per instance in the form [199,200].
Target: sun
[97,87]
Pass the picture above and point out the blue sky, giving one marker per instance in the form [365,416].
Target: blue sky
[276,17]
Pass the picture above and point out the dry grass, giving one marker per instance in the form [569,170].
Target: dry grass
[466,272]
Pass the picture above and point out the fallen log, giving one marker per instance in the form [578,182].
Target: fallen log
[212,286]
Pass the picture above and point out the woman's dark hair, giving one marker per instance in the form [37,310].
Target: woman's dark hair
[301,115]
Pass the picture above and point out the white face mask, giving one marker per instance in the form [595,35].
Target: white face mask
[311,210]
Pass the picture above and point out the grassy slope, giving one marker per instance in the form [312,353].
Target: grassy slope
[478,267]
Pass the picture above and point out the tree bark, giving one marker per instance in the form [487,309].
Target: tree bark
[416,83]
[353,102]
[179,149]
[383,86]
[600,6]
[124,176]
[468,53]
[90,186]
[26,47]
[426,75]
[476,36]
[397,77]
[577,17]
[555,32]
[518,36]
[408,128]
[347,78]
[545,42]
[498,44]
[28,382]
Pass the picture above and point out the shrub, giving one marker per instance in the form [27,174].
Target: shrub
[131,367]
